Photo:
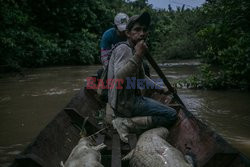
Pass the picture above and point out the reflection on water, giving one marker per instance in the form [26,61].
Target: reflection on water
[28,103]
[174,63]
[7,153]
[224,111]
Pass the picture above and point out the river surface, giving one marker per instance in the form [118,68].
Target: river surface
[29,102]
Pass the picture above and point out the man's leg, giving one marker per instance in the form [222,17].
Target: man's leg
[162,115]
[126,125]
[147,114]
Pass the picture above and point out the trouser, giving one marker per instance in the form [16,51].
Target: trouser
[162,115]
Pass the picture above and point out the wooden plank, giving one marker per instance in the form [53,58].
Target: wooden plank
[132,139]
[74,115]
[177,107]
[116,151]
[79,119]
[222,159]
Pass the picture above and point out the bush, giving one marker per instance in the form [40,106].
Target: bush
[227,40]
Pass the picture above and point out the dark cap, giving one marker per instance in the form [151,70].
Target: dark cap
[143,19]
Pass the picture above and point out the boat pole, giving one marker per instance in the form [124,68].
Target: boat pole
[163,77]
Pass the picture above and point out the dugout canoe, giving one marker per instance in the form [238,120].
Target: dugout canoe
[57,139]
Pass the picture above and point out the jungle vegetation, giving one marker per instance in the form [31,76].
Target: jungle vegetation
[67,32]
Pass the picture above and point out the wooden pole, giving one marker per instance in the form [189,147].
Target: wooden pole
[163,77]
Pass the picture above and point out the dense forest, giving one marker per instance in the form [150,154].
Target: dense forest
[52,32]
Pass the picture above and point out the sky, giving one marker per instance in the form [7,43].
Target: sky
[175,3]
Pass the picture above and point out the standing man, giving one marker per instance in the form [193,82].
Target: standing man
[113,35]
[134,111]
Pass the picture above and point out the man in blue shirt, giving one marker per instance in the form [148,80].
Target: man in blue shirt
[113,35]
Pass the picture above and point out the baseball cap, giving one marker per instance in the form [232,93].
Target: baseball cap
[144,19]
[120,21]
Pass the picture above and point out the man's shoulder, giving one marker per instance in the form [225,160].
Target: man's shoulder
[122,49]
[110,31]
[108,39]
[123,46]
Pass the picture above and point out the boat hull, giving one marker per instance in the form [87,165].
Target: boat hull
[58,138]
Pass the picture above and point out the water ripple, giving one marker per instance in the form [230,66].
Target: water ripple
[5,99]
[46,92]
[180,64]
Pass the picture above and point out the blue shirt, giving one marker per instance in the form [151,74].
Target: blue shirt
[109,39]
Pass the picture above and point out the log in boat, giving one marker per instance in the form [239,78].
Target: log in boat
[58,138]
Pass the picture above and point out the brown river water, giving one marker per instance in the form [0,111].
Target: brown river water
[28,103]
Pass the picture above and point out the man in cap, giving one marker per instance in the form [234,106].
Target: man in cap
[113,35]
[133,110]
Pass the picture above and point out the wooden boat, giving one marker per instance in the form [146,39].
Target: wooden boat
[57,139]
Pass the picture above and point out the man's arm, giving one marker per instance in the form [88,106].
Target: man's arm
[160,88]
[105,47]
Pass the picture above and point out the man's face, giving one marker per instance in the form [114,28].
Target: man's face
[137,33]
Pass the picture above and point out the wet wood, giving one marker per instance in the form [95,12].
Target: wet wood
[221,159]
[164,79]
[116,151]
[78,119]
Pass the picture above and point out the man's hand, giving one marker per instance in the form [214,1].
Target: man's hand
[141,48]
[164,91]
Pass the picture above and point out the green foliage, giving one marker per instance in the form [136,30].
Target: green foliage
[175,32]
[227,39]
[36,34]
[49,32]
[207,79]
[44,33]
[83,46]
